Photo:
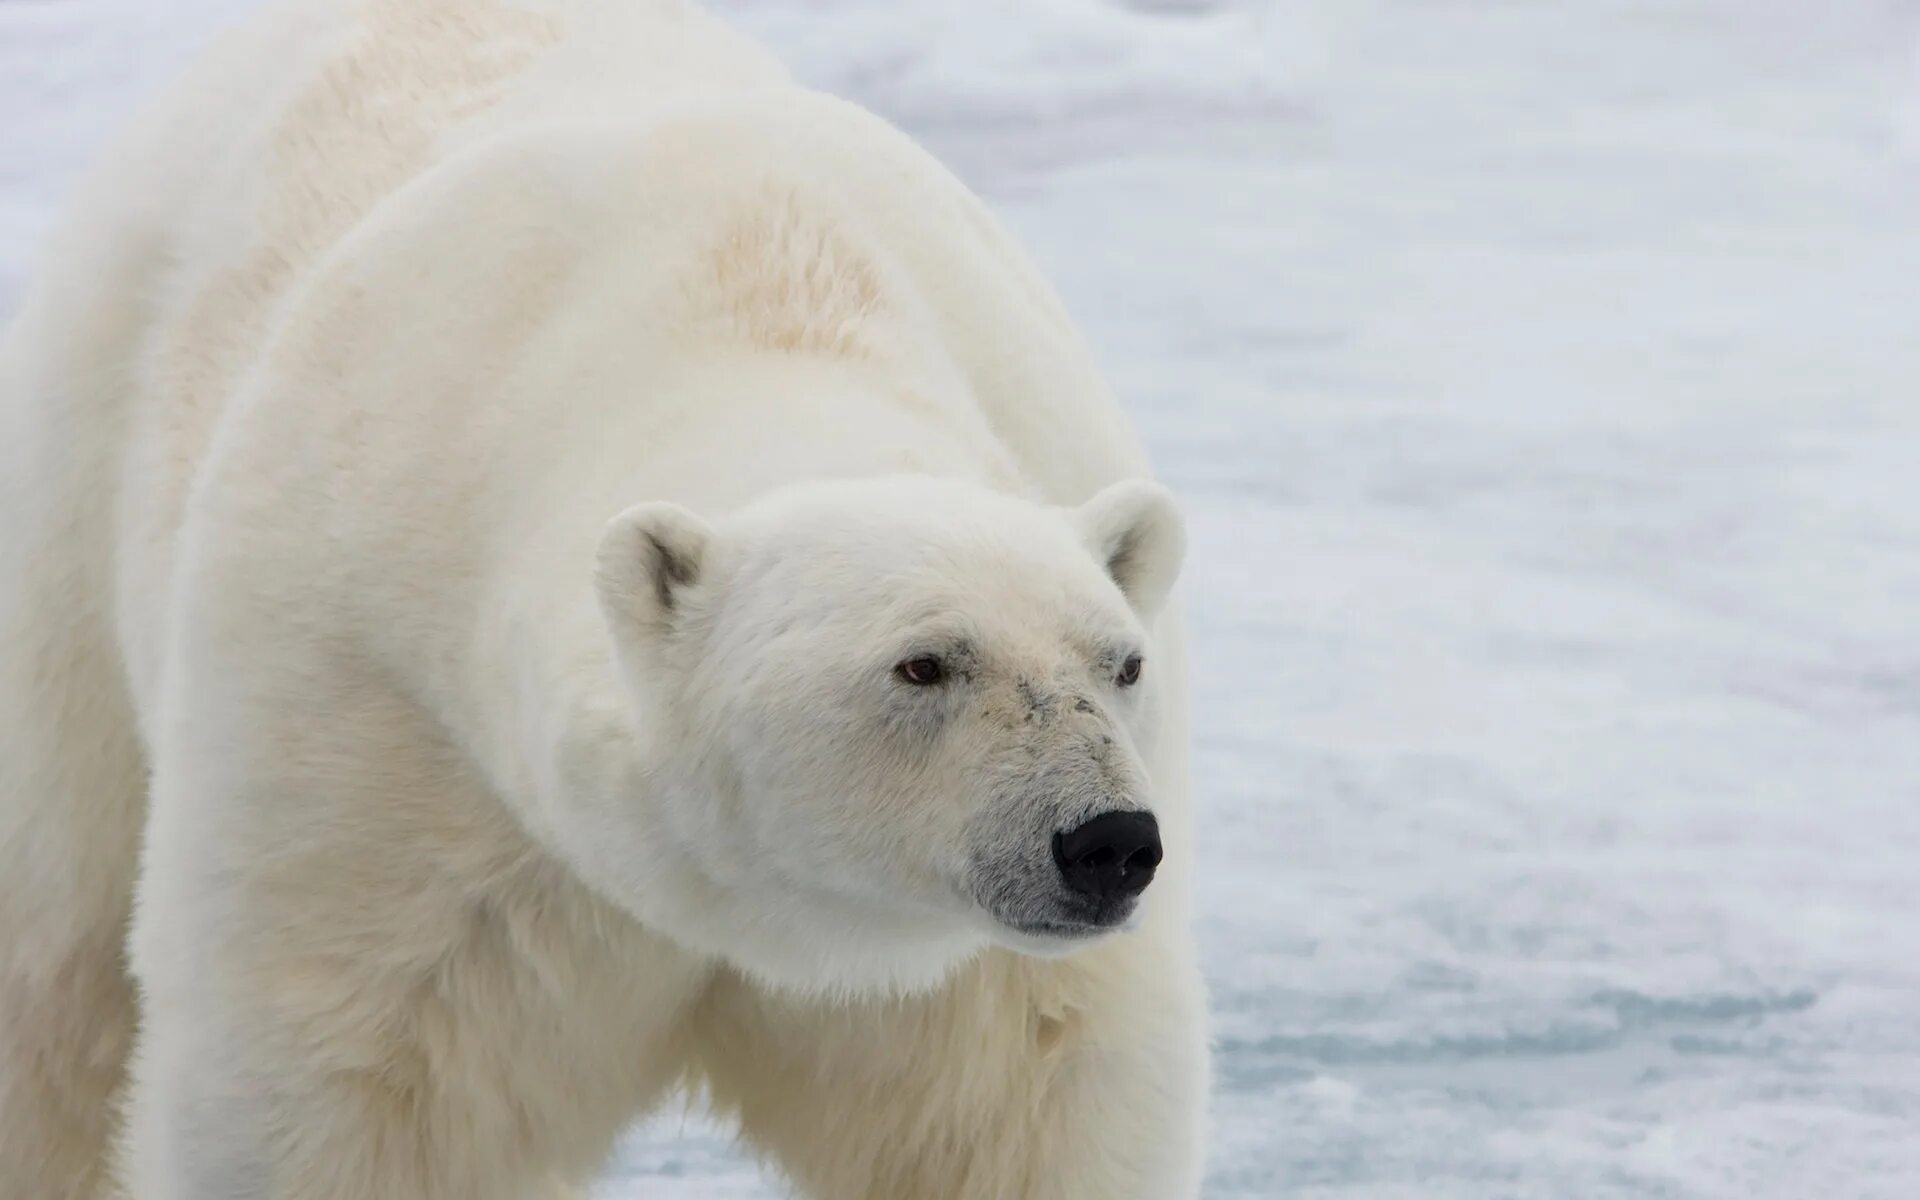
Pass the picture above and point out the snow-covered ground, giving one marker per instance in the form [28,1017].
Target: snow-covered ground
[1544,384]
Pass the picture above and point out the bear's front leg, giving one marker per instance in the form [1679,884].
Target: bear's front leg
[362,981]
[195,1125]
[1020,1079]
[202,1127]
[500,1068]
[283,1077]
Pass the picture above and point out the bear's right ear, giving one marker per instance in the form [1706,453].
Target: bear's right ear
[1134,529]
[649,556]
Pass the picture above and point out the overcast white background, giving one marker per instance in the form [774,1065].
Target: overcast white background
[1543,383]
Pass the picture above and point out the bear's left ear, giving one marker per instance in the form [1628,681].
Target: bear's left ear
[1134,529]
[650,556]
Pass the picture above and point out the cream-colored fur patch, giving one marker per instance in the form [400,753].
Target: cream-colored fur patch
[784,278]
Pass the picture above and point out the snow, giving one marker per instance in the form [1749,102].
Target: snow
[1543,382]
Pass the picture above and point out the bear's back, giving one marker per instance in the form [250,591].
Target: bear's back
[303,140]
[212,216]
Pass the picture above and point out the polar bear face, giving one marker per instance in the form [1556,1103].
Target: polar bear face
[907,717]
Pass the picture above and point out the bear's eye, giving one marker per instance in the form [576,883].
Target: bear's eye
[1129,671]
[922,670]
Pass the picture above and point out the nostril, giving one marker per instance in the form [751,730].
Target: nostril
[1111,855]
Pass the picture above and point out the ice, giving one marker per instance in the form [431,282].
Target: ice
[1543,383]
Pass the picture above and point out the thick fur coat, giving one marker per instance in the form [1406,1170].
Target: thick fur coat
[480,485]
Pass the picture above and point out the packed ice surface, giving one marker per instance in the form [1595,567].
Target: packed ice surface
[1543,383]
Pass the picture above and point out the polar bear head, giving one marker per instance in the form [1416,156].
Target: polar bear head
[900,718]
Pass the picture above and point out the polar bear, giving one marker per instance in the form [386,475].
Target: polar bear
[543,567]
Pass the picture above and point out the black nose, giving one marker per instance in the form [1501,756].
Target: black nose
[1110,857]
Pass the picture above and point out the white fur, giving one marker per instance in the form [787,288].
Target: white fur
[472,469]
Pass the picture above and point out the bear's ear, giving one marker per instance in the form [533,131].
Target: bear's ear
[649,556]
[1134,529]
